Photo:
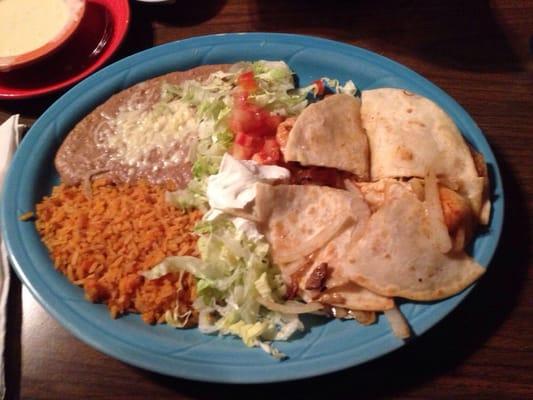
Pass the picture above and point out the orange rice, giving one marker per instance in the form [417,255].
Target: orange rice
[103,242]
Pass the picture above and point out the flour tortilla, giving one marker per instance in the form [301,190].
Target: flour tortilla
[329,134]
[337,290]
[409,135]
[397,255]
[456,210]
[298,220]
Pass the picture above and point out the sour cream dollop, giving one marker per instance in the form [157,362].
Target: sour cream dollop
[234,187]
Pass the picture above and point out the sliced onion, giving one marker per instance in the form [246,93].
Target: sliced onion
[86,181]
[291,307]
[398,323]
[459,239]
[436,217]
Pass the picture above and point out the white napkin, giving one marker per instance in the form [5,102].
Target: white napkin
[8,133]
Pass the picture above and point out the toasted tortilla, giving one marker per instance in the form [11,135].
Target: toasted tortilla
[456,210]
[329,134]
[409,135]
[79,157]
[335,251]
[318,271]
[337,289]
[397,255]
[297,220]
[354,297]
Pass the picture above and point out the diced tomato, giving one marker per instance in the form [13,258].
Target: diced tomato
[319,87]
[273,121]
[264,158]
[253,142]
[240,97]
[271,146]
[253,120]
[246,81]
[241,152]
[283,130]
[246,119]
[254,127]
[269,154]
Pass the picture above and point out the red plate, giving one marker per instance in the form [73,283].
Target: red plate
[98,36]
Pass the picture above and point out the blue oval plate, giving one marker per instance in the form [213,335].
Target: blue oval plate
[326,346]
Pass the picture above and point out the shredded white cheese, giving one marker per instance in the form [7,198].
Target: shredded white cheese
[138,131]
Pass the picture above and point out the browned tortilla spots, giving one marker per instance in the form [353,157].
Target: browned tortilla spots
[405,144]
[328,133]
[417,269]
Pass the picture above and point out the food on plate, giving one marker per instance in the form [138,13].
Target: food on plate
[102,243]
[456,210]
[399,258]
[310,228]
[297,220]
[409,135]
[131,136]
[226,197]
[329,133]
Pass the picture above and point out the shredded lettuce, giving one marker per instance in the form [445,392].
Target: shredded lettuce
[332,85]
[276,90]
[234,270]
[232,273]
[212,100]
[191,197]
[175,319]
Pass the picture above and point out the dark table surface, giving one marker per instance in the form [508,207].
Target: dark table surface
[480,52]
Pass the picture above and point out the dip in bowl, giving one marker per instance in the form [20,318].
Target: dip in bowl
[33,29]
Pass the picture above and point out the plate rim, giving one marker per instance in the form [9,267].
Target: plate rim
[116,68]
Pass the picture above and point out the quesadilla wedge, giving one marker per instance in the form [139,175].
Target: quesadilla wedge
[409,135]
[397,255]
[329,134]
[313,265]
[456,210]
[300,219]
